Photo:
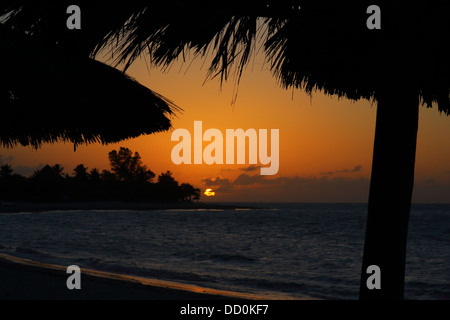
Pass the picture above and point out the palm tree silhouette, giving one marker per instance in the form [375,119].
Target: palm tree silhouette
[311,45]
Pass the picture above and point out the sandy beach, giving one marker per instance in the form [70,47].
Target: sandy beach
[23,279]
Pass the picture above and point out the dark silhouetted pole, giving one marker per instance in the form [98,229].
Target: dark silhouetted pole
[391,189]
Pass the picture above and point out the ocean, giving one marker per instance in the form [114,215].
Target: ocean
[279,250]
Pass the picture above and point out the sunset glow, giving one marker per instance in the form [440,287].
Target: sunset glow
[325,143]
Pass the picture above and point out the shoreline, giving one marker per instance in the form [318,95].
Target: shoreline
[24,279]
[12,207]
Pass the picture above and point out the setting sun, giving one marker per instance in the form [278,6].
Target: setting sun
[209,193]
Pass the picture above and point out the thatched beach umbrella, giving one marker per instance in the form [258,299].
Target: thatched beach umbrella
[47,95]
[317,45]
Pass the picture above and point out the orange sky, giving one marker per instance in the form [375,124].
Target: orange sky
[325,142]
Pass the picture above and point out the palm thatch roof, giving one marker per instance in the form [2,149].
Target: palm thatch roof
[313,45]
[327,46]
[47,95]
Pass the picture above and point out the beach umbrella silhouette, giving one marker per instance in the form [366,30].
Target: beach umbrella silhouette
[47,95]
[326,46]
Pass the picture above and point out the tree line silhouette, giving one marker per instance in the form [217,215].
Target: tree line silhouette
[128,180]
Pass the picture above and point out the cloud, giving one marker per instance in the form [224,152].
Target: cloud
[250,168]
[429,182]
[245,179]
[303,189]
[242,180]
[5,160]
[431,191]
[257,188]
[218,183]
[24,170]
[27,171]
[355,169]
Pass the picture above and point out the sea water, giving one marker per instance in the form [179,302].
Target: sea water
[278,249]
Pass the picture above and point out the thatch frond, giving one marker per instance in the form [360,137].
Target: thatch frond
[46,96]
[330,49]
[312,45]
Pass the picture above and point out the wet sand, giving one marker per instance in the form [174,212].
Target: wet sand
[23,279]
